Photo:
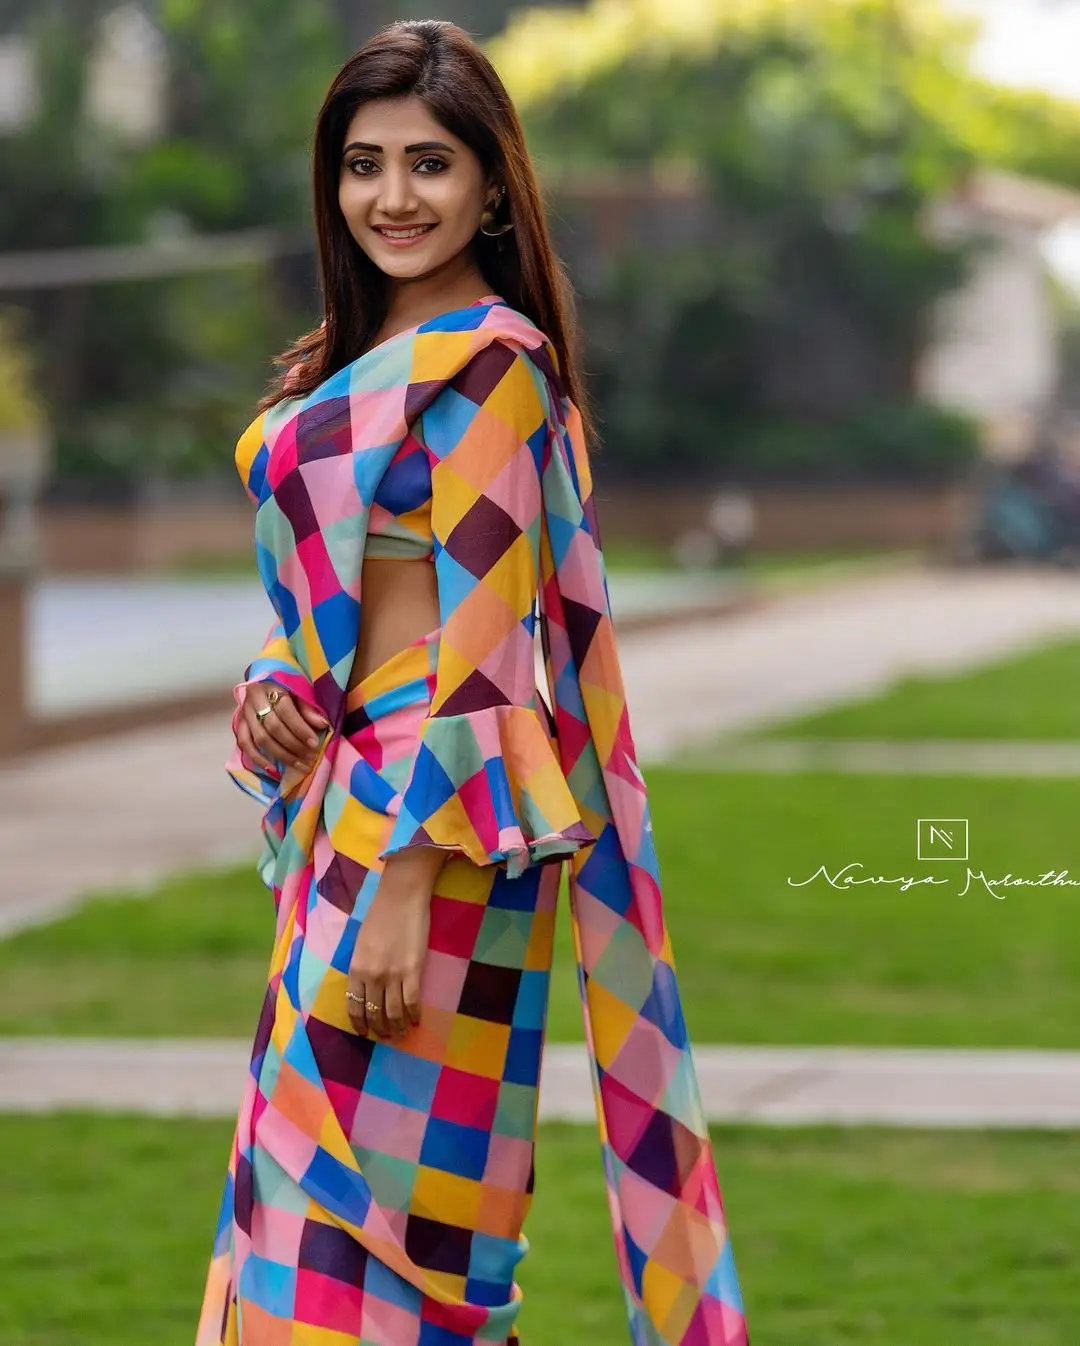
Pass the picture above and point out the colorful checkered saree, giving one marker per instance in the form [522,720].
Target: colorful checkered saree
[512,520]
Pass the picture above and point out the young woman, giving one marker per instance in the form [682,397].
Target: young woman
[423,496]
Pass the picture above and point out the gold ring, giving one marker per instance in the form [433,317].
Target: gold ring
[372,1008]
[273,696]
[261,715]
[350,995]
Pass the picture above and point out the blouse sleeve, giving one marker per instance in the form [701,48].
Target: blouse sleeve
[485,780]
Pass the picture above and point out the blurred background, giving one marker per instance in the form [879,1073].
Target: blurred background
[827,261]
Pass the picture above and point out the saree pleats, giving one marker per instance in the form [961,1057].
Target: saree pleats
[377,1190]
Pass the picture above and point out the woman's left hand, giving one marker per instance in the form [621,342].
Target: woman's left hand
[388,961]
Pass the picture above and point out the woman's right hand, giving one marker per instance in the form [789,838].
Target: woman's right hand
[289,734]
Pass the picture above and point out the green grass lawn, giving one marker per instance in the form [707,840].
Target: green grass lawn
[759,960]
[875,1237]
[1027,696]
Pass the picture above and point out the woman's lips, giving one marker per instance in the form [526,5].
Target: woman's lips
[408,240]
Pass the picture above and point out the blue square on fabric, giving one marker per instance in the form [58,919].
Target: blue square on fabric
[663,1008]
[454,1148]
[336,621]
[492,1261]
[268,1284]
[523,1056]
[432,1335]
[446,420]
[605,873]
[429,783]
[382,1283]
[458,319]
[532,998]
[400,1078]
[343,1192]
[284,605]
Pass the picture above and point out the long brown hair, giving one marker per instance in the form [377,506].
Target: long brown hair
[438,62]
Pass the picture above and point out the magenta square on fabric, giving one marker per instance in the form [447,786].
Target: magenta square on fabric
[466,1098]
[324,1301]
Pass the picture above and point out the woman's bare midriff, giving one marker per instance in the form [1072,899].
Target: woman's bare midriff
[399,604]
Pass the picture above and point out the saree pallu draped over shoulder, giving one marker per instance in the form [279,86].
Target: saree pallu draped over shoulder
[376,1190]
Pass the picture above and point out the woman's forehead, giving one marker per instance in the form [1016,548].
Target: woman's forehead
[397,122]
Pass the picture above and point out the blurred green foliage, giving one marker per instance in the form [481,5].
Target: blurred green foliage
[773,332]
[777,330]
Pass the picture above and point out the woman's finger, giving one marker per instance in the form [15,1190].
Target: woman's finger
[246,744]
[410,991]
[315,718]
[374,994]
[395,1008]
[290,718]
[355,1007]
[274,738]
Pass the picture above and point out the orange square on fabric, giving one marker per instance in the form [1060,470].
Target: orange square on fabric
[478,1046]
[502,1213]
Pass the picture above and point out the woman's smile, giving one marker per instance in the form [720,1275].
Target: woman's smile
[403,236]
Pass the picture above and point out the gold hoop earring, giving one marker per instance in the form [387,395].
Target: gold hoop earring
[488,218]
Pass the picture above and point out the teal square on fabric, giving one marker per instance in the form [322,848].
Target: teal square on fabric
[391,1179]
[625,968]
[515,1113]
[503,938]
[274,1188]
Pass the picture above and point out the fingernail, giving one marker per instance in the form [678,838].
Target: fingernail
[313,742]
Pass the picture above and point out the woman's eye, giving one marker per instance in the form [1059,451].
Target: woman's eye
[361,166]
[437,164]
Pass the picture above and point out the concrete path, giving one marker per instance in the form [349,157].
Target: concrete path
[135,808]
[811,650]
[99,643]
[783,1086]
[961,757]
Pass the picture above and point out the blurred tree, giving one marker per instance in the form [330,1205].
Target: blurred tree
[819,132]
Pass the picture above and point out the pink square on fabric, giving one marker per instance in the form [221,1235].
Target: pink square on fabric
[324,1301]
[647,1062]
[331,489]
[508,1162]
[387,1322]
[276,1234]
[323,582]
[381,411]
[469,1099]
[475,796]
[389,1128]
[516,488]
[443,977]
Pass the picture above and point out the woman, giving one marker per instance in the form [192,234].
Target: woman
[423,462]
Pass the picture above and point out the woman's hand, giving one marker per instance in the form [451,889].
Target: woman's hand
[388,961]
[289,734]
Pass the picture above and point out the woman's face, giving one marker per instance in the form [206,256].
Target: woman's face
[412,194]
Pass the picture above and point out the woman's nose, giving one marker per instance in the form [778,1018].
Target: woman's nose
[397,196]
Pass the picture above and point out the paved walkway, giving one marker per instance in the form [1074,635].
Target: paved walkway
[129,633]
[961,757]
[783,1086]
[136,808]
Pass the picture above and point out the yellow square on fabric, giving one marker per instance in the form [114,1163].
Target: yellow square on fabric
[433,353]
[541,935]
[660,1290]
[612,1023]
[478,1046]
[445,1197]
[513,576]
[453,1287]
[516,401]
[313,647]
[452,498]
[306,1334]
[449,825]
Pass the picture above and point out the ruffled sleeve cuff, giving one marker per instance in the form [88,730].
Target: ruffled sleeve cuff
[488,784]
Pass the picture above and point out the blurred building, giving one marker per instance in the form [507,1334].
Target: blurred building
[996,352]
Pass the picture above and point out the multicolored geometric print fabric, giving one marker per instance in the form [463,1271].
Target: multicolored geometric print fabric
[332,1234]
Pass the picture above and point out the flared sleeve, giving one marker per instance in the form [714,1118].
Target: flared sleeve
[486,781]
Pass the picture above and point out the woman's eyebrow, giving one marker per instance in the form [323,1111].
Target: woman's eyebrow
[409,149]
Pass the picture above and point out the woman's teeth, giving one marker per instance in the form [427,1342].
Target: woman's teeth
[407,233]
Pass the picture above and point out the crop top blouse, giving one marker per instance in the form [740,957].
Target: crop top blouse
[399,525]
